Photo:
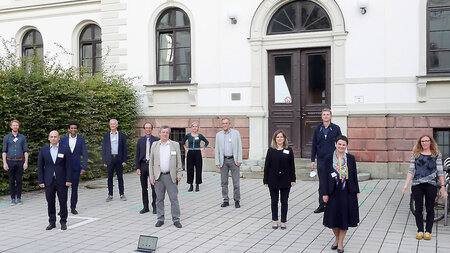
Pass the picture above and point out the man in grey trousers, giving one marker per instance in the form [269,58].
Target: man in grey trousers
[228,157]
[165,173]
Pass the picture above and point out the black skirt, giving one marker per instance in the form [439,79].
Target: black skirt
[342,209]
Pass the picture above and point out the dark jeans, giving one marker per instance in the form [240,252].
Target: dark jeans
[274,196]
[50,194]
[144,185]
[320,166]
[418,192]
[194,158]
[117,166]
[74,194]
[15,171]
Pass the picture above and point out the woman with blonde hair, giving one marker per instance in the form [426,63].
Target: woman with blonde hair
[279,175]
[424,170]
[194,156]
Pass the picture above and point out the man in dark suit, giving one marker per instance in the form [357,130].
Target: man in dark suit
[143,149]
[323,145]
[54,174]
[77,146]
[114,156]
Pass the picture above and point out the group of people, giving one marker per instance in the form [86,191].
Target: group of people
[158,161]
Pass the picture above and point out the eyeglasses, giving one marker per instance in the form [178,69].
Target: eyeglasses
[425,141]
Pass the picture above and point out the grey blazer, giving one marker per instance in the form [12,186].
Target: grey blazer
[220,147]
[175,161]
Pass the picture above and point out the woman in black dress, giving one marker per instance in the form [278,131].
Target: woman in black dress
[340,192]
[279,175]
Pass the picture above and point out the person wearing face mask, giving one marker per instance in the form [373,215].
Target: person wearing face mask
[424,171]
[279,175]
[340,192]
[194,156]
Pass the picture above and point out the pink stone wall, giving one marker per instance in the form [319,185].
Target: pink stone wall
[208,127]
[389,139]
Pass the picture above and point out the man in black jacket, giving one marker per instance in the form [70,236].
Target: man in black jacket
[322,145]
[143,148]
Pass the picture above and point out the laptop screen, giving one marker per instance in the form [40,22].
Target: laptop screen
[147,242]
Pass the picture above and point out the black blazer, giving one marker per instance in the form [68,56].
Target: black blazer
[106,148]
[80,149]
[279,168]
[140,149]
[328,183]
[61,168]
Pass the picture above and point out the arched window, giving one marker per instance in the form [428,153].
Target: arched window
[299,16]
[91,48]
[32,45]
[173,34]
[438,28]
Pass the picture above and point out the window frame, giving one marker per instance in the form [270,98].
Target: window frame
[174,31]
[428,50]
[435,132]
[298,8]
[94,43]
[33,46]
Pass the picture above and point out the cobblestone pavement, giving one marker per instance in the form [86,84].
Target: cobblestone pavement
[386,223]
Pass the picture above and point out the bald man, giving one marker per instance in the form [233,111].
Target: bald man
[55,176]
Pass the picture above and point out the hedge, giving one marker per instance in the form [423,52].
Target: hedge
[45,96]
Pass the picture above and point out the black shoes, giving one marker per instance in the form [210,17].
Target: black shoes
[320,209]
[63,226]
[177,224]
[224,204]
[50,226]
[154,210]
[144,210]
[236,204]
[334,247]
[74,211]
[197,188]
[159,224]
[340,250]
[191,188]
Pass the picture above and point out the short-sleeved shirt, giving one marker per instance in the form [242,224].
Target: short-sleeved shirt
[15,146]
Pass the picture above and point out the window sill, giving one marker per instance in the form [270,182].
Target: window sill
[189,89]
[423,81]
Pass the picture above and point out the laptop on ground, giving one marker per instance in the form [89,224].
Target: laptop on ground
[147,243]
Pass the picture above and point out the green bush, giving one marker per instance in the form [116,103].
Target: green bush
[45,96]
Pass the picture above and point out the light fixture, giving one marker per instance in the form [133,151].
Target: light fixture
[363,4]
[232,16]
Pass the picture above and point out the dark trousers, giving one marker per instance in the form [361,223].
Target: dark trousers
[15,171]
[50,194]
[144,185]
[194,158]
[430,192]
[320,167]
[74,194]
[117,166]
[275,196]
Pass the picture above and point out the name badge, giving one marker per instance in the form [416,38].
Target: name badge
[15,139]
[229,140]
[196,138]
[286,151]
[61,155]
[173,152]
[334,174]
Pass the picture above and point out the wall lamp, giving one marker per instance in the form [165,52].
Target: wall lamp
[232,16]
[363,4]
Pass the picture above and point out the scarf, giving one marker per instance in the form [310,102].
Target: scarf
[340,167]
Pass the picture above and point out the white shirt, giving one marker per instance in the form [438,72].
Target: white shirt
[164,157]
[72,142]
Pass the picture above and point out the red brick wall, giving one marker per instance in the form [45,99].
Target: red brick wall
[389,139]
[208,127]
